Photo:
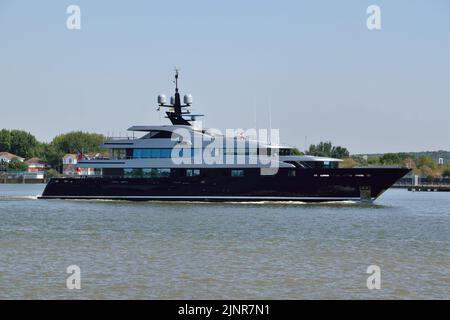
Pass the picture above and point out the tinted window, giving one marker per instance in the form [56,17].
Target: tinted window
[192,172]
[146,173]
[237,173]
[156,173]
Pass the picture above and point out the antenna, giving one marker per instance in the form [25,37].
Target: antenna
[176,79]
[159,115]
[178,111]
[254,112]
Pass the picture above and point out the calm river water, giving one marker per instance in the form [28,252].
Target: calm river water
[214,251]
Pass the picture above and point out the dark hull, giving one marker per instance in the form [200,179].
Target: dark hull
[309,185]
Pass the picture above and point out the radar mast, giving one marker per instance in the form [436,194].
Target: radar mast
[178,113]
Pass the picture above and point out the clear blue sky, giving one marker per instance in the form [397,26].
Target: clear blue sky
[327,76]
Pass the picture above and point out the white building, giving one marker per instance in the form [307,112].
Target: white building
[6,157]
[70,167]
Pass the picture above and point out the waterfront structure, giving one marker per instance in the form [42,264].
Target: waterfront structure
[71,167]
[69,164]
[22,177]
[6,157]
[37,165]
[167,162]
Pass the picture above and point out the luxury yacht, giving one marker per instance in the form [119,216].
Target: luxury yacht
[185,162]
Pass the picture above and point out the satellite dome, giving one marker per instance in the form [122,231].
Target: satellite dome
[161,99]
[188,99]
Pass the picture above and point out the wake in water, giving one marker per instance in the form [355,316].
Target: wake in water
[234,203]
[345,203]
[17,198]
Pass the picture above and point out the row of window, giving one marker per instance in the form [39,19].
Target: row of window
[165,172]
[146,173]
[167,152]
[152,153]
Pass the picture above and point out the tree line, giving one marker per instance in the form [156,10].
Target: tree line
[423,165]
[420,163]
[25,145]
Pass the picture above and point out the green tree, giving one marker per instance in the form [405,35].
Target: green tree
[373,160]
[72,142]
[446,172]
[297,152]
[426,161]
[326,149]
[390,158]
[77,141]
[53,157]
[348,163]
[394,158]
[22,143]
[410,163]
[52,173]
[5,140]
[39,150]
[339,152]
[428,172]
[3,166]
[16,165]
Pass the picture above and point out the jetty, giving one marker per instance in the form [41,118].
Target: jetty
[420,184]
[23,177]
[429,188]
